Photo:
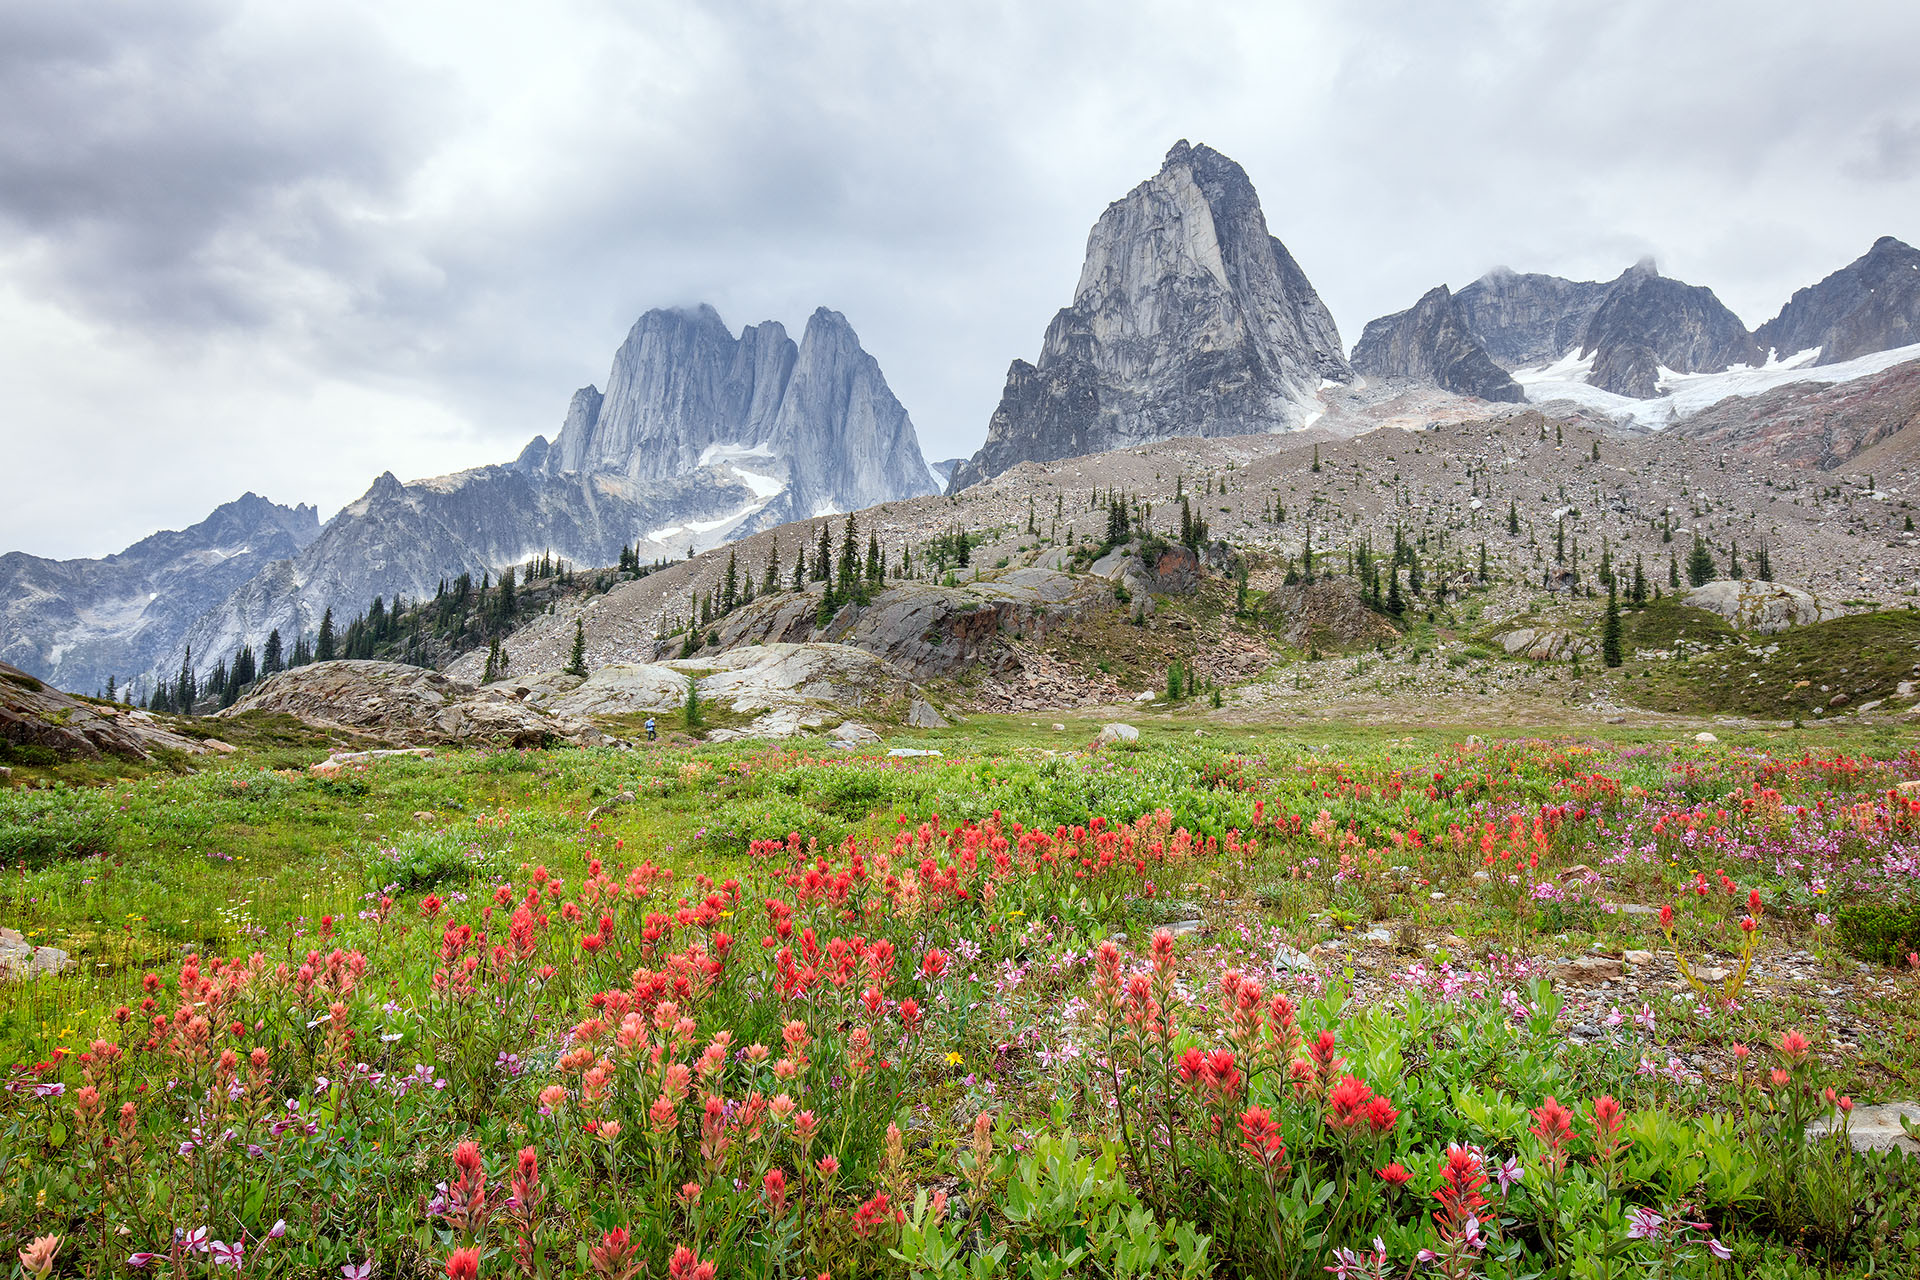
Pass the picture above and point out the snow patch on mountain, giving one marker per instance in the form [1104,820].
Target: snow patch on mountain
[1685,394]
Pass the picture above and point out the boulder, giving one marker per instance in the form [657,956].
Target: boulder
[621,688]
[22,959]
[1112,733]
[921,715]
[1764,607]
[397,703]
[853,734]
[1704,736]
[905,753]
[760,677]
[1547,644]
[1590,969]
[1877,1128]
[1287,957]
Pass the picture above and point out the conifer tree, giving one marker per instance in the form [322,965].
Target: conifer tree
[1639,592]
[323,648]
[272,658]
[823,557]
[800,569]
[110,688]
[1763,562]
[1610,635]
[1396,604]
[876,563]
[851,580]
[1699,562]
[577,664]
[184,689]
[1673,571]
[1513,516]
[730,589]
[1733,559]
[771,582]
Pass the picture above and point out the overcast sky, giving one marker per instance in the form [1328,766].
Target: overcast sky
[286,246]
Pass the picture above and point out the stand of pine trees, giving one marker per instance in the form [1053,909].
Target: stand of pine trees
[457,619]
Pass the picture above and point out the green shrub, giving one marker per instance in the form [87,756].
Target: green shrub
[418,860]
[59,822]
[1886,932]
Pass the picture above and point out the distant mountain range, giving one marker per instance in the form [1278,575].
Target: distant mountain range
[73,623]
[1190,318]
[1632,335]
[700,437]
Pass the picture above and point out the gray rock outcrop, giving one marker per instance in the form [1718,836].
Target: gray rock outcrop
[1547,644]
[925,630]
[1871,304]
[33,715]
[406,705]
[1764,607]
[1189,319]
[1430,342]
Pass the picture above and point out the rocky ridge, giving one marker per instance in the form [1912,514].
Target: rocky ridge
[1871,304]
[37,719]
[1431,342]
[1648,322]
[1527,319]
[1453,484]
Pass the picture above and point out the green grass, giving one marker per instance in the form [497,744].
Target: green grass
[1781,676]
[1666,624]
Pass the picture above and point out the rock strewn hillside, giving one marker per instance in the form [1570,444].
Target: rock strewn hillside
[1812,425]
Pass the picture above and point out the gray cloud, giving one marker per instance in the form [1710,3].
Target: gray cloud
[310,237]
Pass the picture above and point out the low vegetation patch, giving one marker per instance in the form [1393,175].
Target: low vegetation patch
[1245,1005]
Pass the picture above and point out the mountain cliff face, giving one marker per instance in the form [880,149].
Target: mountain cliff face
[1431,342]
[73,623]
[1526,319]
[700,437]
[817,418]
[1189,319]
[1648,321]
[1871,304]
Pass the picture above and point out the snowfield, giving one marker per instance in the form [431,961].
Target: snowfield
[1685,394]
